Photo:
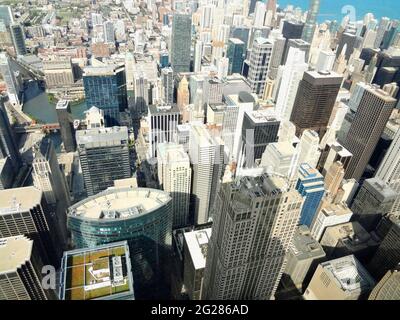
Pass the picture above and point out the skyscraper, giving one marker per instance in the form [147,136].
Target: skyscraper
[388,287]
[104,157]
[374,107]
[183,94]
[206,156]
[235,53]
[167,79]
[109,34]
[309,27]
[315,100]
[8,146]
[181,42]
[105,88]
[174,176]
[140,84]
[18,39]
[6,15]
[10,78]
[251,235]
[259,63]
[65,120]
[311,186]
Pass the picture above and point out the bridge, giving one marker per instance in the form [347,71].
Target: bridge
[37,127]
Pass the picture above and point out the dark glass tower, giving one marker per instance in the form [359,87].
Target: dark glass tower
[236,52]
[181,42]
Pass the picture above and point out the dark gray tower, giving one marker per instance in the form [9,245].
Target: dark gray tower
[66,125]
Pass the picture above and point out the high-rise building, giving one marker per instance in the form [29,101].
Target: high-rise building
[104,157]
[105,88]
[303,256]
[66,122]
[183,94]
[6,173]
[20,270]
[374,107]
[194,256]
[314,101]
[107,267]
[174,176]
[381,31]
[307,150]
[206,156]
[259,63]
[141,216]
[276,56]
[388,287]
[246,252]
[292,73]
[278,158]
[334,177]
[10,78]
[340,279]
[309,27]
[48,177]
[8,146]
[18,39]
[235,53]
[259,128]
[24,211]
[109,33]
[141,89]
[6,15]
[181,42]
[374,200]
[292,29]
[163,120]
[259,14]
[167,80]
[58,72]
[296,44]
[311,187]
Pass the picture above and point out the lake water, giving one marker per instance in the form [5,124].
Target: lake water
[332,9]
[38,106]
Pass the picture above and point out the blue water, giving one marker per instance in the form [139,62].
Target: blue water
[332,9]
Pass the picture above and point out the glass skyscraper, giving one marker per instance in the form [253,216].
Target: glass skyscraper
[105,88]
[311,187]
[181,39]
[235,53]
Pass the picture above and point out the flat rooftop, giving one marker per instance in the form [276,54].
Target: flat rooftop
[102,135]
[19,199]
[102,272]
[304,246]
[197,243]
[107,70]
[14,252]
[120,203]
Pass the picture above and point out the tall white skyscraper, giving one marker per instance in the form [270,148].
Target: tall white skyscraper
[252,230]
[198,53]
[206,156]
[308,149]
[292,73]
[10,78]
[259,14]
[174,175]
[109,33]
[382,28]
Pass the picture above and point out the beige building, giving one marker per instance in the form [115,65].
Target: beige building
[58,72]
[340,279]
[388,288]
[183,94]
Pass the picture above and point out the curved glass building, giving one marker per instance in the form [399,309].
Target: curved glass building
[142,216]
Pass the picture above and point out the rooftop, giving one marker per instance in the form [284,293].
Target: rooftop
[197,243]
[107,70]
[14,252]
[19,199]
[120,203]
[304,246]
[102,272]
[102,135]
[62,104]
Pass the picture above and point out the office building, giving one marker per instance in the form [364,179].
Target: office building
[303,256]
[330,215]
[141,89]
[332,153]
[308,149]
[105,88]
[174,176]
[66,122]
[8,146]
[6,15]
[292,72]
[333,178]
[374,200]
[6,173]
[259,128]
[24,211]
[194,256]
[276,57]
[48,177]
[314,101]
[109,33]
[104,157]
[99,273]
[11,78]
[374,107]
[381,31]
[58,73]
[206,156]
[167,80]
[259,63]
[340,279]
[388,288]
[246,252]
[18,39]
[183,96]
[181,42]
[278,158]
[387,256]
[235,53]
[309,27]
[348,238]
[296,44]
[141,216]
[20,270]
[163,120]
[311,187]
